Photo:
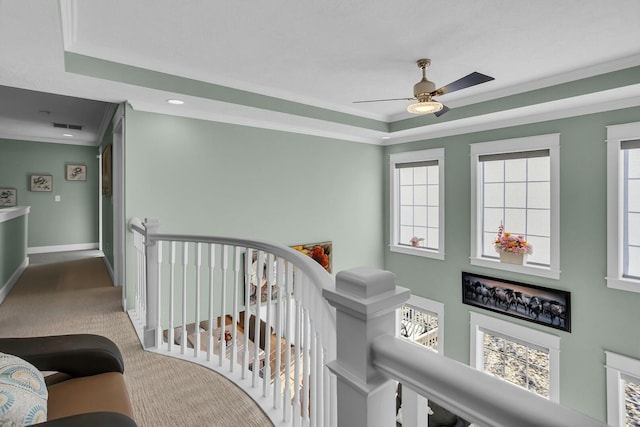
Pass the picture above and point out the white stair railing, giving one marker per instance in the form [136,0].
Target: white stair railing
[250,310]
[367,369]
[188,287]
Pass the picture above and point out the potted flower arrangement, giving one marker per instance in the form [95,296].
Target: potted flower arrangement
[512,249]
[415,241]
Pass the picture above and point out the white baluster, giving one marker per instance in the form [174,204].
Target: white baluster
[198,260]
[234,317]
[223,301]
[286,407]
[185,262]
[172,285]
[277,379]
[297,411]
[212,267]
[305,364]
[313,380]
[140,272]
[256,323]
[266,373]
[247,311]
[159,299]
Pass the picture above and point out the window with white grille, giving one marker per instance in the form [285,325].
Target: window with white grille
[419,326]
[516,362]
[515,183]
[623,207]
[525,357]
[421,321]
[631,213]
[631,400]
[623,390]
[417,203]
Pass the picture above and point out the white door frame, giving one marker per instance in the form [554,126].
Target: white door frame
[119,257]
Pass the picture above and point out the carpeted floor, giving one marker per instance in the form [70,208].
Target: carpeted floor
[77,297]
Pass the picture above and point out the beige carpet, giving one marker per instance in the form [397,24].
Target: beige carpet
[77,297]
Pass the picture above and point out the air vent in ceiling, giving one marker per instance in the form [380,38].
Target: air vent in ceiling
[67,126]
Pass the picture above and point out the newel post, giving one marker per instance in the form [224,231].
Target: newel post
[365,300]
[151,225]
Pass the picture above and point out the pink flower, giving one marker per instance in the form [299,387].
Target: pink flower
[506,242]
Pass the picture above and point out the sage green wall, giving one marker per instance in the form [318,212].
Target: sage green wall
[73,220]
[13,247]
[602,318]
[211,178]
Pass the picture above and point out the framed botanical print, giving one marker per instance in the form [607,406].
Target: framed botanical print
[41,183]
[8,197]
[76,172]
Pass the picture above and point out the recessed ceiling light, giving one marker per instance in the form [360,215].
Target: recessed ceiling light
[67,135]
[175,101]
[386,137]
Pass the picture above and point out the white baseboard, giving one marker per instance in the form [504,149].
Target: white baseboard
[62,248]
[4,291]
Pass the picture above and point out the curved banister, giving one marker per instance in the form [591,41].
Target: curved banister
[317,275]
[136,225]
[304,322]
[312,269]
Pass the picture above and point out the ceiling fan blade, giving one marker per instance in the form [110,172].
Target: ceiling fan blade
[472,79]
[383,100]
[441,112]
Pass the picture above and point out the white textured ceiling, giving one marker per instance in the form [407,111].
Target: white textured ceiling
[327,53]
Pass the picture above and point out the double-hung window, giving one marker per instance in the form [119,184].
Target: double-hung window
[417,203]
[521,356]
[515,183]
[623,390]
[623,207]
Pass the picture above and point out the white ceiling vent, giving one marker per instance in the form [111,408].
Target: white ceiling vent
[67,126]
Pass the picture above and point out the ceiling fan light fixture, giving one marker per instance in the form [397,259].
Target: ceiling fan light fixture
[425,107]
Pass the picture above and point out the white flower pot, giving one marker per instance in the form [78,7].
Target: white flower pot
[511,258]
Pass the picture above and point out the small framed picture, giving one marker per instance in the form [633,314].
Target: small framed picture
[41,183]
[76,172]
[8,197]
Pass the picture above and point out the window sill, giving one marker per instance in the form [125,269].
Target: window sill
[409,250]
[531,270]
[624,284]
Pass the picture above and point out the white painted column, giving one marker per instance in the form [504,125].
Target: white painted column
[365,300]
[151,225]
[414,409]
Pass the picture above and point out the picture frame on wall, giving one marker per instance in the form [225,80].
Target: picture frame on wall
[320,252]
[537,304]
[106,171]
[40,183]
[76,172]
[8,197]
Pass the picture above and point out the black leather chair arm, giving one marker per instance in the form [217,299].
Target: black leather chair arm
[76,355]
[94,419]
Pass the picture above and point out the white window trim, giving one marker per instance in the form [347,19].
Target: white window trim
[539,142]
[615,200]
[480,322]
[430,306]
[413,156]
[617,366]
